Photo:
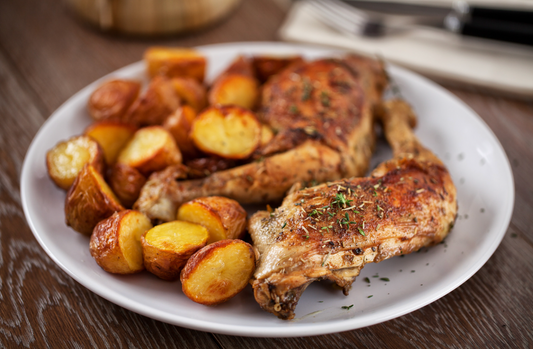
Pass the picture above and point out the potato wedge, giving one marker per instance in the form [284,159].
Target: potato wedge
[112,99]
[116,242]
[175,62]
[155,105]
[112,137]
[266,66]
[218,271]
[67,158]
[126,182]
[191,92]
[229,132]
[89,200]
[168,246]
[179,125]
[151,149]
[237,85]
[266,135]
[222,217]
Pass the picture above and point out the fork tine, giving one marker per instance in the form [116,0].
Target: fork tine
[331,19]
[340,15]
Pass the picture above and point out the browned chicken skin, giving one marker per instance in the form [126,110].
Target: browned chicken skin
[332,230]
[322,113]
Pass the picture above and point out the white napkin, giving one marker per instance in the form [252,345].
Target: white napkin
[432,52]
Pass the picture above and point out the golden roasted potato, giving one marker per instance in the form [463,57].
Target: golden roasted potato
[235,86]
[155,105]
[266,66]
[175,62]
[191,92]
[168,246]
[151,149]
[126,183]
[112,137]
[116,242]
[229,132]
[112,99]
[89,200]
[222,217]
[266,135]
[179,125]
[67,158]
[218,271]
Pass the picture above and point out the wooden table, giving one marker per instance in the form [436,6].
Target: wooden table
[46,56]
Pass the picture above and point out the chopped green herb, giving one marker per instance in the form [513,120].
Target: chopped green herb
[355,211]
[347,307]
[324,99]
[293,109]
[374,193]
[361,231]
[370,296]
[384,279]
[284,225]
[379,208]
[320,301]
[307,89]
[250,179]
[367,280]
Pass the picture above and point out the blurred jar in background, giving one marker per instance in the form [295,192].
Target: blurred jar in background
[151,17]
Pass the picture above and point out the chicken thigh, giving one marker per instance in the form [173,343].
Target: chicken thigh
[332,230]
[322,114]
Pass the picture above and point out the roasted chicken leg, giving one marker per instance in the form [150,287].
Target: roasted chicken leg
[322,112]
[332,230]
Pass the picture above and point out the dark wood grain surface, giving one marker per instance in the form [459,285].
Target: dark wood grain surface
[46,56]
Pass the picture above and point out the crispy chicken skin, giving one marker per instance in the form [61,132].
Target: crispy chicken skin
[322,113]
[332,230]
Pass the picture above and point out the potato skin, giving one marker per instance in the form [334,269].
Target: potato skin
[126,183]
[105,243]
[191,92]
[155,105]
[175,62]
[179,125]
[65,177]
[216,292]
[167,264]
[87,203]
[112,99]
[228,212]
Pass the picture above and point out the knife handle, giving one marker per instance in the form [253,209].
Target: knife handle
[502,15]
[496,29]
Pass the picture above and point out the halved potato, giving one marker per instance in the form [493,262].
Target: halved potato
[229,132]
[266,66]
[266,135]
[175,62]
[179,125]
[89,200]
[126,183]
[218,271]
[116,242]
[112,137]
[155,105]
[112,99]
[235,90]
[67,158]
[151,149]
[237,85]
[222,217]
[168,246]
[191,92]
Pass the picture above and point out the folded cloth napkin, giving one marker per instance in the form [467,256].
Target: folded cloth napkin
[432,52]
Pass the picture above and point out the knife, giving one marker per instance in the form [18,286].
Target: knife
[379,17]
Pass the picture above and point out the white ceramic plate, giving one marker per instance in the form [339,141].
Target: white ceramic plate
[453,131]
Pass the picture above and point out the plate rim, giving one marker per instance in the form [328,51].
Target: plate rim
[310,329]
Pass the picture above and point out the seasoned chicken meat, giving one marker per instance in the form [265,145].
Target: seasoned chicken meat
[322,114]
[332,230]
